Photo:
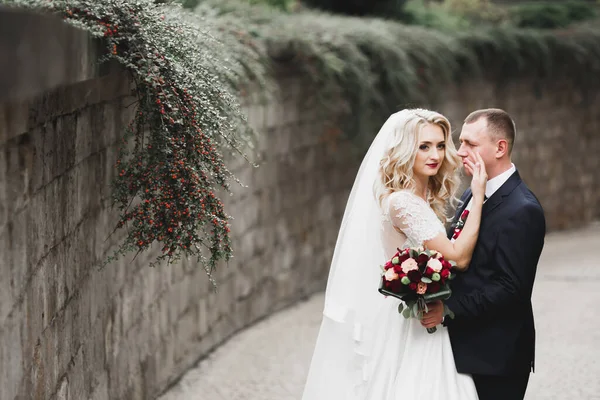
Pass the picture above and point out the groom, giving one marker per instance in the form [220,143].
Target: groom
[493,333]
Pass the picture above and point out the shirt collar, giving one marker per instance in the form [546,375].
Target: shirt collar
[495,183]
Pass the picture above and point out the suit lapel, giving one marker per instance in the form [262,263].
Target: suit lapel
[498,197]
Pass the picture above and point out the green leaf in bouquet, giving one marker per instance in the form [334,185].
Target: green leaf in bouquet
[415,310]
[406,313]
[400,307]
[425,279]
[451,276]
[453,263]
[413,253]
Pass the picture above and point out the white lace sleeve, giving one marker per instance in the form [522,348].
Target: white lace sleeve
[414,217]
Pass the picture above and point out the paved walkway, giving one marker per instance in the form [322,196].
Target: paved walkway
[269,361]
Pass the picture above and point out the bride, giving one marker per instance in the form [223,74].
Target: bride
[366,350]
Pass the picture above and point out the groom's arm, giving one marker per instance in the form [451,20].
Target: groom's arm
[517,253]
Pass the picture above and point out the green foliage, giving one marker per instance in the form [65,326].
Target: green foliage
[477,12]
[170,164]
[543,15]
[191,4]
[280,4]
[358,7]
[285,5]
[374,67]
[435,16]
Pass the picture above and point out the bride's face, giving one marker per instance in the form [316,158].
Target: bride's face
[431,151]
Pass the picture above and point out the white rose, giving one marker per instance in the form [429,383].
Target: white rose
[435,264]
[409,265]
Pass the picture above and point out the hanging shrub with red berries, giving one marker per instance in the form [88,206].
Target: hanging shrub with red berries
[170,164]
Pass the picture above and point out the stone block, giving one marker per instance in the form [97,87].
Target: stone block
[14,117]
[202,311]
[11,375]
[100,390]
[256,116]
[184,334]
[84,137]
[77,388]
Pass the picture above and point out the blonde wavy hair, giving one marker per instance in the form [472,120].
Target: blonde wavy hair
[396,167]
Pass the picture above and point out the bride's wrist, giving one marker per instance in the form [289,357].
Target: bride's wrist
[478,197]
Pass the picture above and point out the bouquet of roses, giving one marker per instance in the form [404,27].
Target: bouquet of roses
[417,277]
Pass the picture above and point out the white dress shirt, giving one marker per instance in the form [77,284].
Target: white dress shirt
[495,183]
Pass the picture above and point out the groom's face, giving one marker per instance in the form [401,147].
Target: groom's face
[474,138]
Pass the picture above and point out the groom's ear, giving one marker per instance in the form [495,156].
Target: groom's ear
[502,148]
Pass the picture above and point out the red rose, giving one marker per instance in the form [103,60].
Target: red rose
[397,286]
[398,268]
[388,265]
[464,215]
[429,271]
[422,259]
[412,286]
[446,265]
[445,274]
[433,287]
[414,276]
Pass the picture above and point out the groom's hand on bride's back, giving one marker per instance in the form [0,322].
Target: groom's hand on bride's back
[434,316]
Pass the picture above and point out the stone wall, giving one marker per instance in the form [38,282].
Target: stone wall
[72,330]
[557,145]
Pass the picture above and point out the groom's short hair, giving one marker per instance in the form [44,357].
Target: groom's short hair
[499,124]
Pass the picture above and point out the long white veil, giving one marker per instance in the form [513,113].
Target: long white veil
[351,294]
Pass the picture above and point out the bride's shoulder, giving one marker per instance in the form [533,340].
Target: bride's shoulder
[404,198]
[403,195]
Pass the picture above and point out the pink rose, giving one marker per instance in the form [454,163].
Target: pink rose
[391,275]
[409,265]
[421,288]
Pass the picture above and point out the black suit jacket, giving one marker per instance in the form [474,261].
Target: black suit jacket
[493,331]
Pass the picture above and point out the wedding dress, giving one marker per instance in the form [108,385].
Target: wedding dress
[366,350]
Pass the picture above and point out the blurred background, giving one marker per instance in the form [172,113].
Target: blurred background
[291,93]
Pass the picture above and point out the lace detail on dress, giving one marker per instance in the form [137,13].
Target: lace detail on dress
[414,217]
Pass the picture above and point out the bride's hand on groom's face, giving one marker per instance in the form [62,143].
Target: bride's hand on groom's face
[479,173]
[434,316]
